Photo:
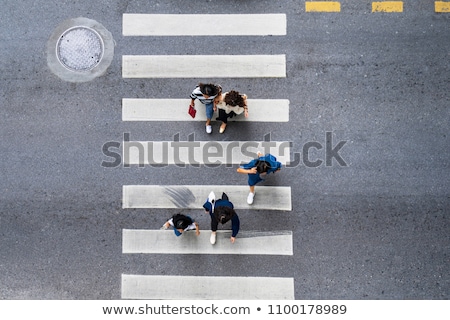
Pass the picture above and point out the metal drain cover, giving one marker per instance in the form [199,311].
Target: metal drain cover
[80,49]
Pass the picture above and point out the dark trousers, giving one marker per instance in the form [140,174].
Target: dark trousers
[223,116]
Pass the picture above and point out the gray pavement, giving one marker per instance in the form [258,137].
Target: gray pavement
[377,228]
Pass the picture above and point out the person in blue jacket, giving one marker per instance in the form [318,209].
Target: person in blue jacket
[261,166]
[221,211]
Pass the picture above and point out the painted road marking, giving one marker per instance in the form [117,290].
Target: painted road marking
[203,24]
[199,66]
[260,110]
[194,196]
[165,242]
[387,6]
[206,288]
[196,153]
[322,6]
[442,6]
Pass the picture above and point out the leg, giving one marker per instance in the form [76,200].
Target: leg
[253,179]
[251,195]
[214,224]
[212,239]
[209,115]
[224,118]
[222,127]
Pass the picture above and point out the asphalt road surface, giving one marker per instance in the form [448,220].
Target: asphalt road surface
[369,220]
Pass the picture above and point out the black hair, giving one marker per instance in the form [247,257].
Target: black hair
[224,214]
[262,166]
[180,221]
[209,89]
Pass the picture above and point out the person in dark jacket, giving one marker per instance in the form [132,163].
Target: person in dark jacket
[221,211]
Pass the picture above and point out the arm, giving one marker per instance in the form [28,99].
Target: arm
[217,99]
[167,224]
[207,206]
[248,171]
[197,229]
[215,102]
[245,106]
[235,226]
[193,96]
[278,168]
[214,222]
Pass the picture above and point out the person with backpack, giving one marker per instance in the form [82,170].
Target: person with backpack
[206,94]
[181,223]
[261,166]
[221,211]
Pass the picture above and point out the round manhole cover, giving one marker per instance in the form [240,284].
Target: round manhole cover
[79,49]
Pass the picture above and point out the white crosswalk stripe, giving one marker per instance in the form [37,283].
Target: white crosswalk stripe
[204,153]
[249,242]
[206,288]
[194,196]
[260,110]
[203,24]
[199,66]
[211,153]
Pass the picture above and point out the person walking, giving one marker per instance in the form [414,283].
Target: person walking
[181,223]
[221,211]
[261,166]
[230,104]
[206,94]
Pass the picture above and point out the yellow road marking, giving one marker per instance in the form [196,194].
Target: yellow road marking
[442,6]
[387,6]
[322,6]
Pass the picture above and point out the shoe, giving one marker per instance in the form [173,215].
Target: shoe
[164,227]
[222,128]
[250,198]
[212,239]
[211,197]
[208,129]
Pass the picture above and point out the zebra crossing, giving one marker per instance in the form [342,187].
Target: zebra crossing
[210,153]
[134,109]
[199,66]
[167,197]
[250,242]
[278,198]
[206,288]
[194,24]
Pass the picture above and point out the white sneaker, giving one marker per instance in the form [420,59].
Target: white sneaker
[212,239]
[208,129]
[211,197]
[250,198]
